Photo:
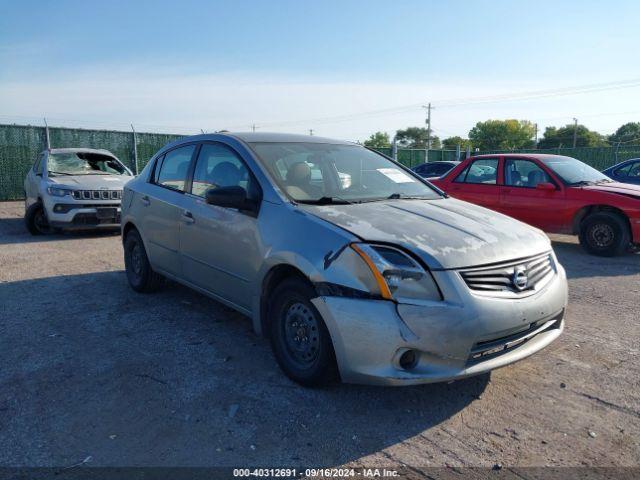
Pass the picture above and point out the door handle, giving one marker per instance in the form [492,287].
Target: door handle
[145,201]
[187,217]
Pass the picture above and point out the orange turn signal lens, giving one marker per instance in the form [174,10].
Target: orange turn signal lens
[382,283]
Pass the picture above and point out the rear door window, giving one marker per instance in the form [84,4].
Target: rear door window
[482,171]
[175,167]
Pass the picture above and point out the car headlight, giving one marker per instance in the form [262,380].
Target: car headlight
[58,192]
[398,276]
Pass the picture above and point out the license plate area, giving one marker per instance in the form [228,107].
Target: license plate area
[106,213]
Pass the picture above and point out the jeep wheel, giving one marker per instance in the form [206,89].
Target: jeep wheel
[141,276]
[36,220]
[605,234]
[299,338]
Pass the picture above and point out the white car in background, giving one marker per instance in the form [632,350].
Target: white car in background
[74,188]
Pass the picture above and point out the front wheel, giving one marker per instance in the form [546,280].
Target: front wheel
[36,221]
[299,338]
[605,234]
[141,276]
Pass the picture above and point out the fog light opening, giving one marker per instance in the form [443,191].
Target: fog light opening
[409,359]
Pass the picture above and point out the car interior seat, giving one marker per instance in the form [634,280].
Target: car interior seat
[298,182]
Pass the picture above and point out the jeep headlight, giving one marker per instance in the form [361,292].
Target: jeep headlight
[398,276]
[58,192]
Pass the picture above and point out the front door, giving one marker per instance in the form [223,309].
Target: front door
[220,247]
[521,197]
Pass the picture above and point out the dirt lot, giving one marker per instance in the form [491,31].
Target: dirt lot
[88,368]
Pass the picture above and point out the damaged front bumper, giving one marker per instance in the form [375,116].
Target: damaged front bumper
[77,215]
[466,334]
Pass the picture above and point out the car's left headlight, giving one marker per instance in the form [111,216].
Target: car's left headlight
[59,192]
[399,277]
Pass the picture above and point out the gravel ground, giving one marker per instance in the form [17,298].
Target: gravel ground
[88,368]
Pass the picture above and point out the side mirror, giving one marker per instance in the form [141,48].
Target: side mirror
[229,197]
[546,186]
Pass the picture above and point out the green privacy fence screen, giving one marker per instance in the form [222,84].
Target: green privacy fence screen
[20,144]
[598,157]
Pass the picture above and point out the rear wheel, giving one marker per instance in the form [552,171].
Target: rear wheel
[36,220]
[605,234]
[299,338]
[141,276]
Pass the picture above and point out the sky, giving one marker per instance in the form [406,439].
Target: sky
[343,69]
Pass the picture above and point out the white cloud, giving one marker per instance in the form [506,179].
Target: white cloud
[155,101]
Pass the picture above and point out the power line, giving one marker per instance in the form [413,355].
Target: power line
[527,95]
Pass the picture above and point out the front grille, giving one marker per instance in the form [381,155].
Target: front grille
[509,276]
[97,194]
[487,349]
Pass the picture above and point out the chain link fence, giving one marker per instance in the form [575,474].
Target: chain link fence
[20,145]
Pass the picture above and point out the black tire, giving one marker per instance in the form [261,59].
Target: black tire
[605,234]
[310,361]
[141,276]
[36,221]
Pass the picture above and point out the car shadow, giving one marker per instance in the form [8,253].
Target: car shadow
[580,264]
[175,378]
[13,230]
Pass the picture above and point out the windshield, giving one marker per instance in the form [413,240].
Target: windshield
[84,163]
[326,173]
[573,171]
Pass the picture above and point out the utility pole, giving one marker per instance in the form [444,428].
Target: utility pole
[536,141]
[311,132]
[575,132]
[428,145]
[253,127]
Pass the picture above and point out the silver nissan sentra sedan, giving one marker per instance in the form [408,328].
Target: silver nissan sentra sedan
[354,266]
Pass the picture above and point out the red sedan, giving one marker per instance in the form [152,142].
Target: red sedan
[555,193]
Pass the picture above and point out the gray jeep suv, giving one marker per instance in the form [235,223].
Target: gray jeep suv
[74,188]
[353,265]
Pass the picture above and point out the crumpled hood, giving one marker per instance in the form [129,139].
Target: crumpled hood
[445,233]
[616,187]
[91,182]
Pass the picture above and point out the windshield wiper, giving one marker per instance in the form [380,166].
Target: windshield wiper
[581,182]
[397,196]
[326,201]
[61,173]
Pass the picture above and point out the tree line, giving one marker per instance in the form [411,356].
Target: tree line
[510,135]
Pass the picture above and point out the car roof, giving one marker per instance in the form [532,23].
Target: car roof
[624,162]
[82,150]
[537,156]
[262,137]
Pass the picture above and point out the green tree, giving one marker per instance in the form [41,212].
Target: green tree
[416,137]
[451,143]
[502,134]
[378,140]
[628,133]
[563,137]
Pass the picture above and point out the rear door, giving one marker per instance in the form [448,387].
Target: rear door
[220,247]
[520,198]
[478,183]
[161,204]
